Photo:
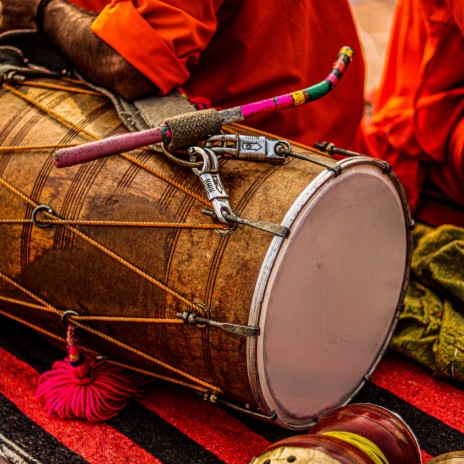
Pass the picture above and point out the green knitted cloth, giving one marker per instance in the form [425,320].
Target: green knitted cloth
[431,327]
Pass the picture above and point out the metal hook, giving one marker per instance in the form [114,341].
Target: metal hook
[173,156]
[210,161]
[37,210]
[211,179]
[66,314]
[194,318]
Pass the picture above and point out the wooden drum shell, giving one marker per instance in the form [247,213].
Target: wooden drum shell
[205,267]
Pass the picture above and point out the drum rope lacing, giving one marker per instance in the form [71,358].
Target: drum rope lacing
[48,307]
[107,251]
[112,361]
[235,128]
[52,219]
[83,222]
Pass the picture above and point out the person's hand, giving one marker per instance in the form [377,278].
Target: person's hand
[18,14]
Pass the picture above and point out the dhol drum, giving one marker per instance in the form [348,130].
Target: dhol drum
[286,328]
[353,434]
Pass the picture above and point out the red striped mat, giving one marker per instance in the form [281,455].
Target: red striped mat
[172,425]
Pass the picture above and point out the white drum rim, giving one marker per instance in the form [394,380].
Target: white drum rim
[267,267]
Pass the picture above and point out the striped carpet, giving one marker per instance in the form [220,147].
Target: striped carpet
[171,425]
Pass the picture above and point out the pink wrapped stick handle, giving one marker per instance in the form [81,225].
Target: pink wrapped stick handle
[65,157]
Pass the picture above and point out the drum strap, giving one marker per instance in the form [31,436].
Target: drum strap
[147,112]
[31,54]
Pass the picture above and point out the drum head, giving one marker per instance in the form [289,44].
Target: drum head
[327,296]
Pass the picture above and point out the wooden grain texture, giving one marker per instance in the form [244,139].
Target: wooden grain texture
[205,267]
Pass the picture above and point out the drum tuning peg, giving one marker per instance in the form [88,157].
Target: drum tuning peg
[192,317]
[331,149]
[275,229]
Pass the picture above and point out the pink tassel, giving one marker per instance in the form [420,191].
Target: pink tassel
[86,388]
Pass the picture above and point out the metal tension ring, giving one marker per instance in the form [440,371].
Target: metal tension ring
[37,210]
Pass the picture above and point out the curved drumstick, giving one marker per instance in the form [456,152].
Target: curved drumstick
[120,143]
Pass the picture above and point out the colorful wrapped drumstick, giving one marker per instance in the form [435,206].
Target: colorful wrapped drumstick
[203,122]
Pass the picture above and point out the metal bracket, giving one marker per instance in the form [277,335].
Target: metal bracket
[194,318]
[213,397]
[259,415]
[386,168]
[248,147]
[328,164]
[66,314]
[275,229]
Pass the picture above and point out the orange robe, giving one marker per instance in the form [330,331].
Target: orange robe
[417,124]
[238,51]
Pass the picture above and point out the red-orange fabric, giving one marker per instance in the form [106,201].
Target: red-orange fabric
[236,52]
[417,125]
